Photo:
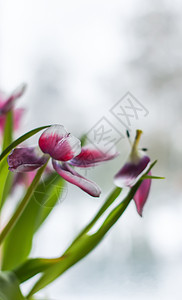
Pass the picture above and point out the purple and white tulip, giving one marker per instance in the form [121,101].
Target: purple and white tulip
[137,164]
[65,150]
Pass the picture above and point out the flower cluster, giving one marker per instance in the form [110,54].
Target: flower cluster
[65,151]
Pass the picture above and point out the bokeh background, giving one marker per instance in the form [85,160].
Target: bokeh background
[78,59]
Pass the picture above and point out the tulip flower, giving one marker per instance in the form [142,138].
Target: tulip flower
[7,103]
[65,151]
[136,165]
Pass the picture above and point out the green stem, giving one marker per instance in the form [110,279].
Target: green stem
[115,193]
[22,205]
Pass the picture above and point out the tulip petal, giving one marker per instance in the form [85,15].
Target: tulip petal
[91,156]
[8,104]
[59,144]
[69,174]
[26,159]
[2,123]
[131,172]
[141,194]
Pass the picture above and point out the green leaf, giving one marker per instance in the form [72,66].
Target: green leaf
[51,189]
[8,130]
[33,266]
[7,187]
[6,178]
[4,173]
[112,197]
[40,205]
[22,205]
[9,287]
[21,139]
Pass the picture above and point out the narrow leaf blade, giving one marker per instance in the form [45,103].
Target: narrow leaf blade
[39,207]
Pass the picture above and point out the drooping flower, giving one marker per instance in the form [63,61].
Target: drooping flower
[136,165]
[7,103]
[65,151]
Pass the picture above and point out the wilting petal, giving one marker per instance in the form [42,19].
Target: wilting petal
[59,144]
[8,104]
[69,174]
[131,172]
[91,156]
[26,159]
[141,194]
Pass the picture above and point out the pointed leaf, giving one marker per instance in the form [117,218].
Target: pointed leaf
[39,207]
[6,179]
[21,206]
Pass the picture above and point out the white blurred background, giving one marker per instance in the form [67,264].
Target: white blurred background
[78,59]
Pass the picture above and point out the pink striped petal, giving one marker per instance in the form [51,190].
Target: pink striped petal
[9,103]
[26,159]
[59,144]
[69,174]
[91,156]
[131,172]
[141,194]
